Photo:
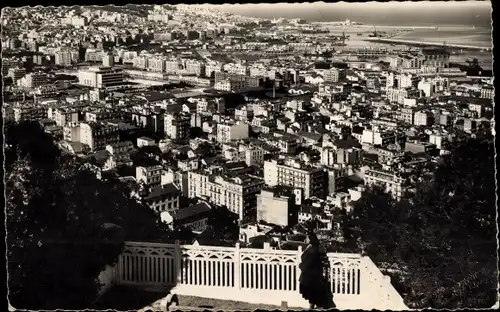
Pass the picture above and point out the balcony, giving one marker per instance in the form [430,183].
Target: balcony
[256,276]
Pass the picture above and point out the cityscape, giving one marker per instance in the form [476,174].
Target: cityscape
[250,156]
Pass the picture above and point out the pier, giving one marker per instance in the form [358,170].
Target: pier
[434,44]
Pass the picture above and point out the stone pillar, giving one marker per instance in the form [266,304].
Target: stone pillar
[299,259]
[237,267]
[177,263]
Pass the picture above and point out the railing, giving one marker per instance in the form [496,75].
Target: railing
[264,276]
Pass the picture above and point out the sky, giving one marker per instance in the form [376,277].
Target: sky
[476,13]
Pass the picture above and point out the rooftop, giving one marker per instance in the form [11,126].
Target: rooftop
[168,189]
[192,211]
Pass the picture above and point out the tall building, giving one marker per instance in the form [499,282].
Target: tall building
[334,75]
[66,57]
[100,77]
[98,135]
[108,60]
[29,113]
[194,67]
[156,64]
[16,73]
[177,126]
[150,175]
[277,206]
[34,80]
[238,194]
[389,180]
[229,131]
[423,118]
[294,174]
[436,57]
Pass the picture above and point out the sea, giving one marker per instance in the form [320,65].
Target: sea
[465,35]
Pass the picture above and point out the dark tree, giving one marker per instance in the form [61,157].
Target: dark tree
[442,237]
[63,224]
[224,224]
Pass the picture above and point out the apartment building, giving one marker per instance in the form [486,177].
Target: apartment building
[334,75]
[377,136]
[62,116]
[164,198]
[150,175]
[295,174]
[423,118]
[119,154]
[16,73]
[399,81]
[406,115]
[223,76]
[238,194]
[340,155]
[97,135]
[71,132]
[94,55]
[229,85]
[427,88]
[254,155]
[99,115]
[437,57]
[66,57]
[100,77]
[30,112]
[141,62]
[120,148]
[277,206]
[156,64]
[194,67]
[212,68]
[395,95]
[238,69]
[389,180]
[334,90]
[230,131]
[193,217]
[243,113]
[177,126]
[487,92]
[33,80]
[172,66]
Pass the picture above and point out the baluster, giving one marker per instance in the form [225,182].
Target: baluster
[229,273]
[268,273]
[352,280]
[338,279]
[332,278]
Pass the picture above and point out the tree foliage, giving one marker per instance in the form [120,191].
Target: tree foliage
[442,237]
[224,224]
[63,224]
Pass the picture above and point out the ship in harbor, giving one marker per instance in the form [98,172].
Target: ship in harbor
[346,22]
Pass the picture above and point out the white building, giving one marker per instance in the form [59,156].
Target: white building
[276,209]
[294,174]
[145,141]
[229,131]
[97,135]
[238,194]
[423,118]
[100,77]
[390,181]
[148,175]
[62,116]
[33,80]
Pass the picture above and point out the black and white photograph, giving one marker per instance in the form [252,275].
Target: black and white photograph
[250,156]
